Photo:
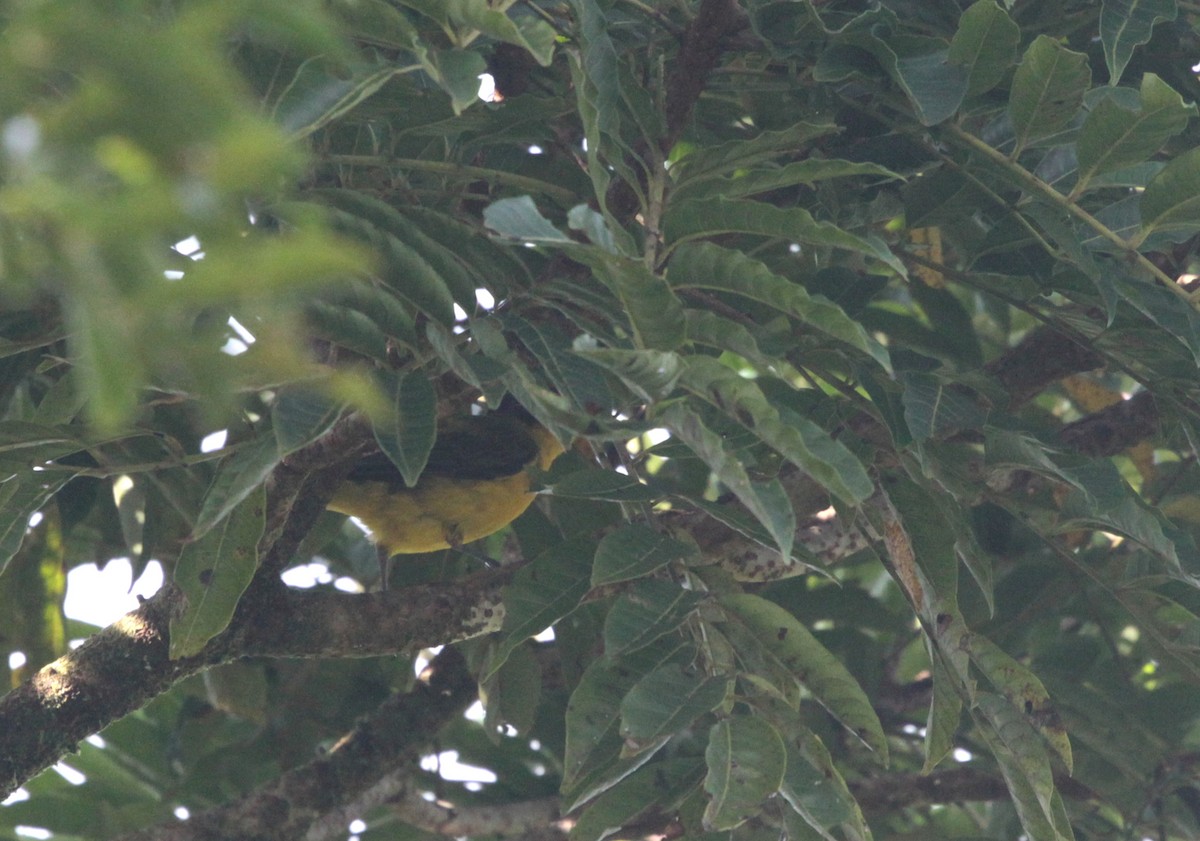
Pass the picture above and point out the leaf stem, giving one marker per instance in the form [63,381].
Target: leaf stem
[510,179]
[1044,190]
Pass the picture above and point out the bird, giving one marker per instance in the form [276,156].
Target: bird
[476,481]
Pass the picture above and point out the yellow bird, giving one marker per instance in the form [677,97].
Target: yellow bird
[475,483]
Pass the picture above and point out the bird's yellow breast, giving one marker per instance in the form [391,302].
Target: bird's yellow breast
[438,513]
[441,512]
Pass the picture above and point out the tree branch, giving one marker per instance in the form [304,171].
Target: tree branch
[1043,358]
[114,673]
[122,667]
[703,43]
[365,769]
[892,792]
[1114,428]
[505,819]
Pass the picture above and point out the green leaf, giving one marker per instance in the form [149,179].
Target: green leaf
[530,32]
[1025,766]
[933,407]
[457,71]
[1159,305]
[238,476]
[934,83]
[654,310]
[746,760]
[763,675]
[400,265]
[543,592]
[667,700]
[1004,449]
[1171,202]
[441,259]
[1114,137]
[464,361]
[1100,724]
[951,323]
[940,198]
[377,20]
[945,713]
[985,44]
[591,759]
[299,416]
[707,266]
[593,483]
[656,788]
[765,500]
[1137,176]
[62,402]
[710,161]
[812,664]
[691,219]
[345,327]
[651,374]
[23,444]
[634,551]
[1023,690]
[319,94]
[20,498]
[1103,499]
[214,571]
[933,544]
[118,780]
[819,797]
[1097,497]
[647,612]
[518,218]
[437,10]
[109,374]
[1127,24]
[1047,90]
[755,181]
[513,692]
[363,316]
[596,228]
[597,100]
[797,439]
[598,66]
[490,263]
[717,331]
[918,64]
[409,438]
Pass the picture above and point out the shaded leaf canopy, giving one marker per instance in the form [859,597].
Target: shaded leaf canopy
[870,330]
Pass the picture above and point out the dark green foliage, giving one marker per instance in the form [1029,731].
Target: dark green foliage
[902,265]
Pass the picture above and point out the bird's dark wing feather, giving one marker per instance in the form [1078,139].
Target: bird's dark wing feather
[479,448]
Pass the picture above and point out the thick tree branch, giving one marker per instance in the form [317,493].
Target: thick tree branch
[299,489]
[115,672]
[1042,359]
[303,802]
[504,820]
[892,792]
[1114,428]
[703,43]
[124,666]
